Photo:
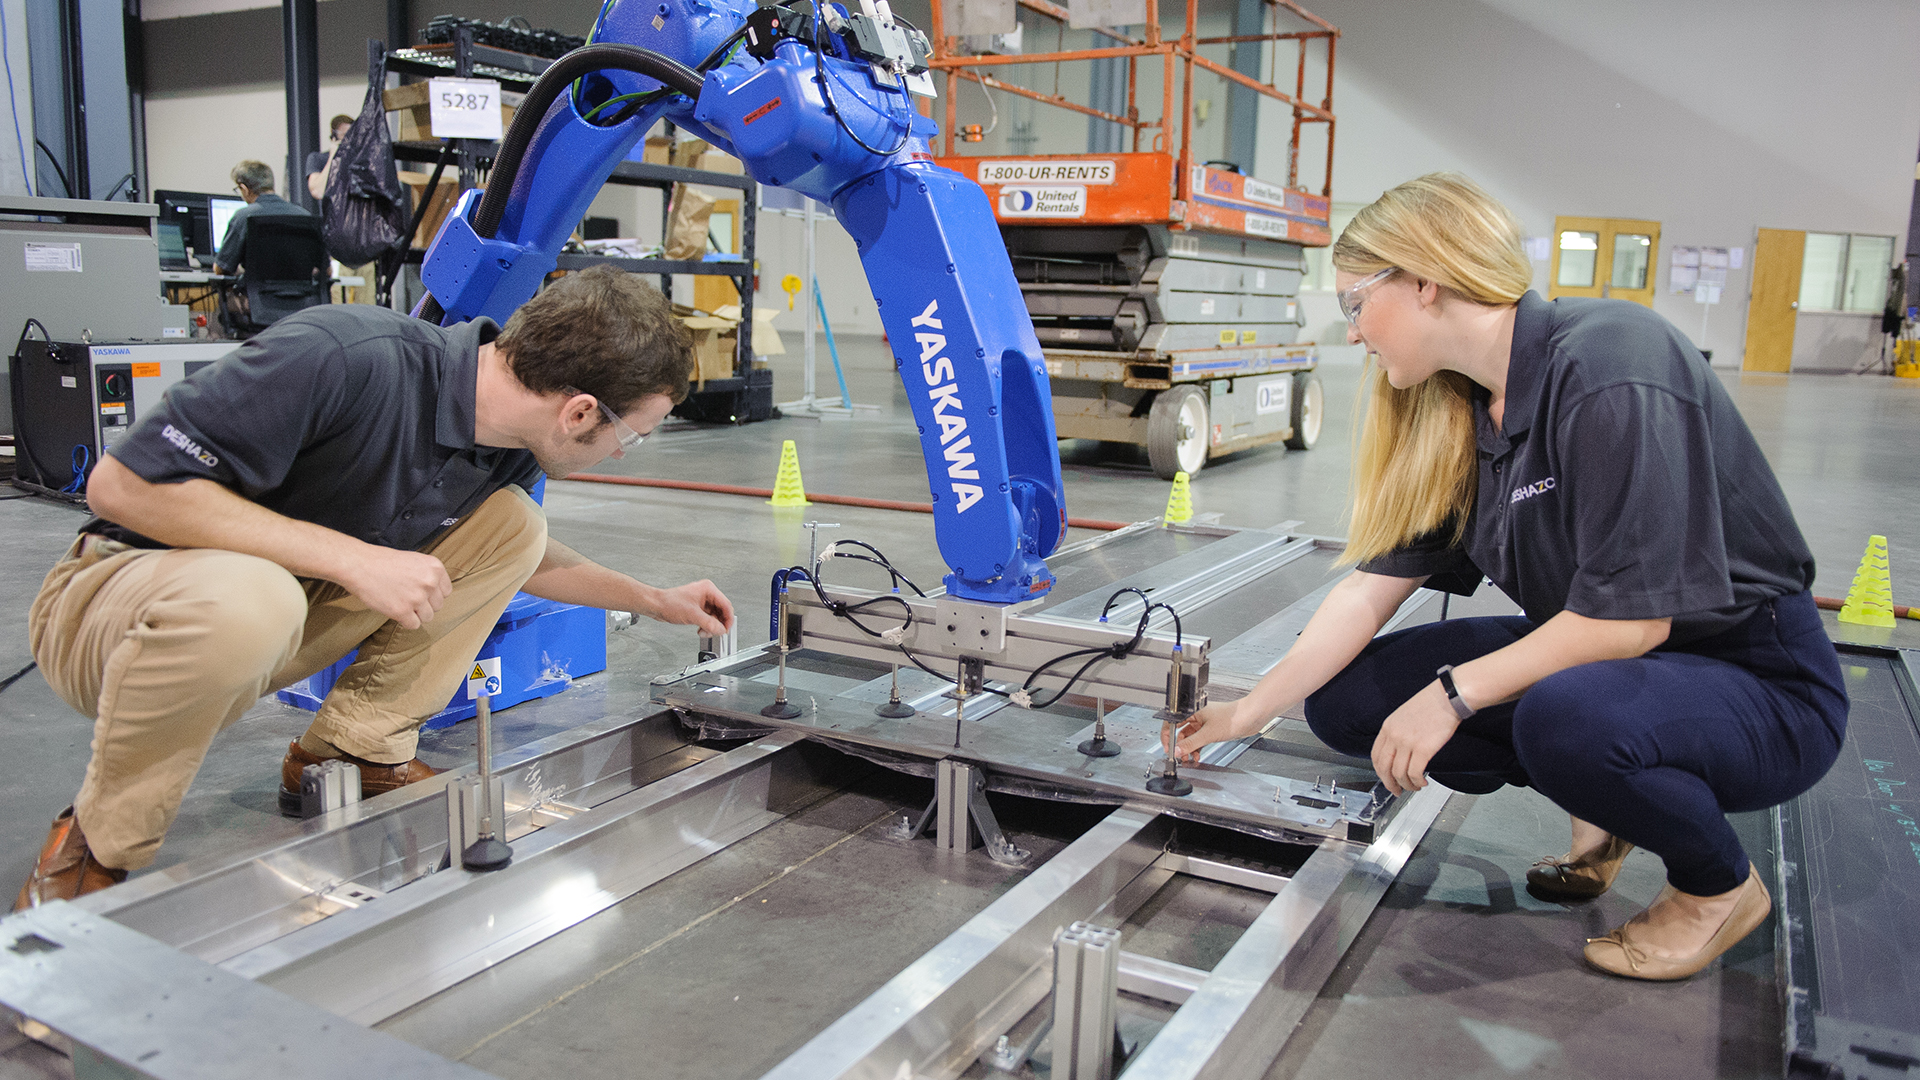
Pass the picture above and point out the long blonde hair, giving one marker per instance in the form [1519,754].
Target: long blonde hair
[1414,466]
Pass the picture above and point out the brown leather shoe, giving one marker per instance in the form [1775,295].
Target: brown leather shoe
[375,778]
[1564,877]
[67,868]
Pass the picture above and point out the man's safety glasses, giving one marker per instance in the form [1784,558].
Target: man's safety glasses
[1351,297]
[629,438]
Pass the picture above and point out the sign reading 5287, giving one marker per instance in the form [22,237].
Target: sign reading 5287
[464,108]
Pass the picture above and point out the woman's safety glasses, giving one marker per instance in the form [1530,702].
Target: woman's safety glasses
[1353,295]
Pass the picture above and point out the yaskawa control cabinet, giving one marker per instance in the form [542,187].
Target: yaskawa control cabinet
[72,401]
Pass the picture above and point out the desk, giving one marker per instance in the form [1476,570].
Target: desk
[193,277]
[199,290]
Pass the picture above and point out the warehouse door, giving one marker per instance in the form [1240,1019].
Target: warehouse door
[1775,300]
[1603,257]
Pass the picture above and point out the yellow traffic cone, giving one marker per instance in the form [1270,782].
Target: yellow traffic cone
[1179,501]
[787,490]
[1870,600]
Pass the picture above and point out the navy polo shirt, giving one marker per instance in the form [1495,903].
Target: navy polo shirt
[1622,484]
[349,416]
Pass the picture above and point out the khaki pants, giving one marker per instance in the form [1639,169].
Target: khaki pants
[166,648]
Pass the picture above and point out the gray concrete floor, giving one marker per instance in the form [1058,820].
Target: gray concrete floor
[719,971]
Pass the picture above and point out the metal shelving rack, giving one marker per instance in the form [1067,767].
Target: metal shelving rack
[732,399]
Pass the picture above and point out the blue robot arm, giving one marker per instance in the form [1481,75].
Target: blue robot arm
[817,102]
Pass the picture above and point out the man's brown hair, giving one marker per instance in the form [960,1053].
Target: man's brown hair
[601,331]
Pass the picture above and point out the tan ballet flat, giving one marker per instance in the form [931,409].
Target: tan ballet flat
[1617,954]
[1567,878]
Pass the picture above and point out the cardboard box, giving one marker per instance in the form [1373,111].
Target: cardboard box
[416,120]
[443,200]
[766,340]
[686,152]
[716,338]
[658,151]
[717,161]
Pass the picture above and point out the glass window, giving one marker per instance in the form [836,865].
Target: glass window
[1577,255]
[1869,262]
[1820,271]
[1630,258]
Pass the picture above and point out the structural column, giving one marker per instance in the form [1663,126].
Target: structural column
[300,48]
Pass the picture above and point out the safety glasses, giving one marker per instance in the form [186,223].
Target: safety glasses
[1352,296]
[629,438]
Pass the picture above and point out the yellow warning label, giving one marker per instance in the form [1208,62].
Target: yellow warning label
[478,672]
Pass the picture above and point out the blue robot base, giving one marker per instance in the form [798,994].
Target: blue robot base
[543,646]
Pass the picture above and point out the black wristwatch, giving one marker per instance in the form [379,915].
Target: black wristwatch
[1460,707]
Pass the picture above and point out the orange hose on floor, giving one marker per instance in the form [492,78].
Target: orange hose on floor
[832,500]
[1900,611]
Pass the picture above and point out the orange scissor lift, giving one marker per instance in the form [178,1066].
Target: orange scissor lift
[1164,289]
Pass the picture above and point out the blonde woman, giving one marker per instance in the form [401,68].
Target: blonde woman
[1670,666]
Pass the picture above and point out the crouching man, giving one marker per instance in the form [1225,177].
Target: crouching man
[351,478]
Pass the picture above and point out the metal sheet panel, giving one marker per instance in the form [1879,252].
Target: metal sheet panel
[154,1011]
[937,1015]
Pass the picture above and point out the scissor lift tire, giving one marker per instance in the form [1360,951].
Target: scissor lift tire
[1177,430]
[1309,410]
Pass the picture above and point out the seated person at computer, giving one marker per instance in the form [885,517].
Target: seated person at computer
[253,180]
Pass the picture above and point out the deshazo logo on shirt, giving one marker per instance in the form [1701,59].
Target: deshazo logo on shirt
[1528,491]
[187,446]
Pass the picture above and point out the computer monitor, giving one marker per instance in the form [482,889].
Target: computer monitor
[220,212]
[188,209]
[173,245]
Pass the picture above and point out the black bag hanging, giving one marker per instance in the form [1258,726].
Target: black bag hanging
[366,205]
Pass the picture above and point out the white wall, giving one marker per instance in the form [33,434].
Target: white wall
[1712,118]
[195,140]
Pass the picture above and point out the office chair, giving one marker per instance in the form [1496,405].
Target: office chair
[284,269]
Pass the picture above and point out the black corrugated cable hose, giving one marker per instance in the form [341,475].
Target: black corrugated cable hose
[546,90]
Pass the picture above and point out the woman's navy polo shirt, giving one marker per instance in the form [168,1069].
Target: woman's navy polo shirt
[1623,483]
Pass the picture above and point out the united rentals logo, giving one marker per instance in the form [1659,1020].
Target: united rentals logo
[1530,490]
[945,394]
[1044,202]
[187,446]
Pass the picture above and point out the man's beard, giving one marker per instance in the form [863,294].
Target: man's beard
[553,469]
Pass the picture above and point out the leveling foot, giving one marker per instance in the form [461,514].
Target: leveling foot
[1100,747]
[486,853]
[1169,785]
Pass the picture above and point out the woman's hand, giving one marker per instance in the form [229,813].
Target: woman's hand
[1411,736]
[1215,723]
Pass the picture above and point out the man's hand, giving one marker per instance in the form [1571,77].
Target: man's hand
[1411,736]
[700,604]
[1215,723]
[405,586]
